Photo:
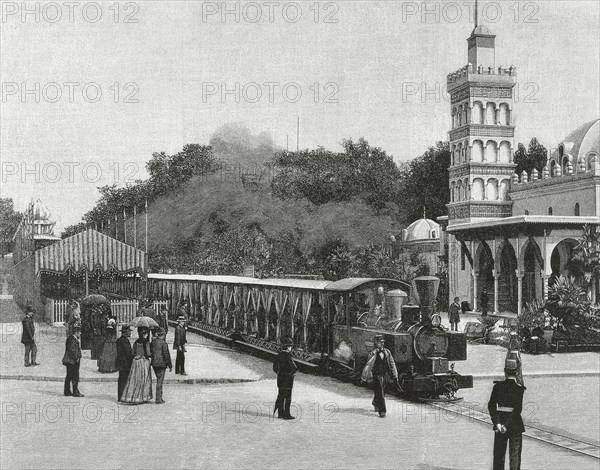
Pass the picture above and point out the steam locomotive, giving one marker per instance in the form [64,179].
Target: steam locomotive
[332,323]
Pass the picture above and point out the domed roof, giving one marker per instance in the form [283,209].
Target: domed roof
[40,211]
[481,29]
[422,229]
[582,141]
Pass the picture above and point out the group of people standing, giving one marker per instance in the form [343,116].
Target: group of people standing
[133,362]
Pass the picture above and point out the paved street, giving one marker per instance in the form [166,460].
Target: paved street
[229,425]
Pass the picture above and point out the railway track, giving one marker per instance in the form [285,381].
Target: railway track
[555,437]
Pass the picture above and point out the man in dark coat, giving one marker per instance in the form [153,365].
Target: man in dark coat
[161,359]
[285,368]
[28,338]
[124,359]
[505,407]
[454,314]
[383,366]
[179,345]
[71,360]
[162,318]
[484,302]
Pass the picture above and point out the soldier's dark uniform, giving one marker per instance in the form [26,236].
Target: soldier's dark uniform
[505,407]
[285,368]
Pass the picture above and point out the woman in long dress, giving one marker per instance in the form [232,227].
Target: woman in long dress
[108,358]
[138,388]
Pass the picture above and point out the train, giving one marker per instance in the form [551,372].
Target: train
[332,324]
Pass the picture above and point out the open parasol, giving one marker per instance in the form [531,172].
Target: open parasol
[94,299]
[143,322]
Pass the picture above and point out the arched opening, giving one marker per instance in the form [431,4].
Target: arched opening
[453,154]
[459,191]
[477,190]
[460,115]
[507,280]
[477,114]
[565,164]
[504,153]
[491,190]
[477,151]
[491,151]
[490,114]
[577,211]
[459,153]
[552,168]
[504,187]
[452,191]
[466,190]
[550,211]
[562,263]
[532,265]
[503,114]
[484,264]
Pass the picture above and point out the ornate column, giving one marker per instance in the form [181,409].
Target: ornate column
[474,275]
[496,275]
[545,279]
[519,292]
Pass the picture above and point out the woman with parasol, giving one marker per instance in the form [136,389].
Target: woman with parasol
[138,388]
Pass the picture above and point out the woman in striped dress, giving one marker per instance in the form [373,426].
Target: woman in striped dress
[138,388]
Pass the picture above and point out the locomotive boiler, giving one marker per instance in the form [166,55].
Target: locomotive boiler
[424,352]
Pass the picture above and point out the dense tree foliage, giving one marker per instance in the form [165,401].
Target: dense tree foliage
[424,184]
[359,173]
[535,156]
[9,221]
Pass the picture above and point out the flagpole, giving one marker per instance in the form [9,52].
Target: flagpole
[134,226]
[124,227]
[146,214]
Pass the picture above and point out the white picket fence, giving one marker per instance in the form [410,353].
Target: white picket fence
[124,310]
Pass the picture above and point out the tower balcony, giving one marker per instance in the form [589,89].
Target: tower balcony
[484,76]
[482,130]
[465,210]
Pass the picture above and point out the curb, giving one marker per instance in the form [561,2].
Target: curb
[533,375]
[45,378]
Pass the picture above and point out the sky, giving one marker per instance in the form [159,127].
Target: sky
[91,90]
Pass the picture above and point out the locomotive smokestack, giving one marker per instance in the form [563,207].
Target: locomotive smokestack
[425,290]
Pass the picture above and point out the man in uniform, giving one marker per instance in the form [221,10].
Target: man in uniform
[505,407]
[124,359]
[179,345]
[161,359]
[454,314]
[28,338]
[380,366]
[72,360]
[285,368]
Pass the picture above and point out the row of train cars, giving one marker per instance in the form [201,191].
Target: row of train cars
[333,324]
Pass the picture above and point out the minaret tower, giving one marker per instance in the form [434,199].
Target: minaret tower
[482,133]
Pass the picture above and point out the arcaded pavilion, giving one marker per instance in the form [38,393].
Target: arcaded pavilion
[510,234]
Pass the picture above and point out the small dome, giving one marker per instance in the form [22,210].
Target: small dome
[40,211]
[482,30]
[422,229]
[582,141]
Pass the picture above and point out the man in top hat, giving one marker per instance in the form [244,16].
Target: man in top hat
[381,365]
[285,368]
[505,407]
[179,345]
[161,359]
[71,360]
[28,338]
[124,359]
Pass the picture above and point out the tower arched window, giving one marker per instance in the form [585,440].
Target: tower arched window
[577,211]
[550,210]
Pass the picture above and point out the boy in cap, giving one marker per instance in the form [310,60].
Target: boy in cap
[71,360]
[285,368]
[179,345]
[505,407]
[161,359]
[124,359]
